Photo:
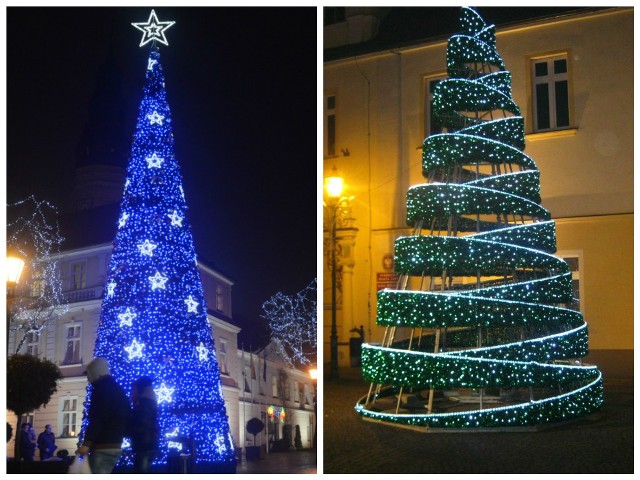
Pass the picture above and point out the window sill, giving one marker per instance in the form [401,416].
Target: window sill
[565,132]
[69,365]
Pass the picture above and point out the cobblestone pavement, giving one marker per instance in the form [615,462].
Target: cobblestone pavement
[303,461]
[601,443]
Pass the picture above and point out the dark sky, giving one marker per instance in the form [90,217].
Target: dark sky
[242,87]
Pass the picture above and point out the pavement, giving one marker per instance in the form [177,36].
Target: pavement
[293,461]
[600,443]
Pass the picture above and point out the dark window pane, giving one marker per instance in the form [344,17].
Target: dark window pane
[331,135]
[331,102]
[541,69]
[560,66]
[573,263]
[542,106]
[432,85]
[435,126]
[562,104]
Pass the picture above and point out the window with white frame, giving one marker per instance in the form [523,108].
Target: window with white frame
[329,125]
[33,343]
[550,80]
[431,124]
[72,338]
[68,417]
[274,386]
[78,275]
[222,357]
[573,260]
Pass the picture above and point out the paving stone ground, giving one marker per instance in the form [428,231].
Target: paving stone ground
[600,443]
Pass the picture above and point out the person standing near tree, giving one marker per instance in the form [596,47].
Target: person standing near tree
[108,416]
[144,428]
[27,445]
[46,443]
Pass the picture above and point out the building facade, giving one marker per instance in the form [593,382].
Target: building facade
[69,343]
[572,77]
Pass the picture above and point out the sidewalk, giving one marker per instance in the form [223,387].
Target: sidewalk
[294,461]
[600,443]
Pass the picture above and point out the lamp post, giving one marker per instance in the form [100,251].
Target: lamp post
[313,373]
[15,265]
[334,186]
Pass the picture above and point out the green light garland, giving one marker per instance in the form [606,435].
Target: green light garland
[478,278]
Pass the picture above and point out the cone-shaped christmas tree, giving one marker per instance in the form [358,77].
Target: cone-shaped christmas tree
[154,318]
[480,332]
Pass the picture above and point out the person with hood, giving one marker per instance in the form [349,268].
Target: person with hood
[108,417]
[144,429]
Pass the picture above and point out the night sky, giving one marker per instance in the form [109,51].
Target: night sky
[242,87]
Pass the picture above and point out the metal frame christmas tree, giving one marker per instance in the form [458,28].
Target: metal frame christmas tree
[154,318]
[480,333]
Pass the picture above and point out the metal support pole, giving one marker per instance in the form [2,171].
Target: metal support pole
[334,327]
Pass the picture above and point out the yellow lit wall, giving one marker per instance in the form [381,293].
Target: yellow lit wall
[605,245]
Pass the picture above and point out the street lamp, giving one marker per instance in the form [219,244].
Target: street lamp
[334,186]
[14,265]
[313,373]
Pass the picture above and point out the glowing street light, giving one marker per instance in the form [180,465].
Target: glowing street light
[15,265]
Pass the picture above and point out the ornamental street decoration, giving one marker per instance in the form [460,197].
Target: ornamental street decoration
[479,333]
[154,320]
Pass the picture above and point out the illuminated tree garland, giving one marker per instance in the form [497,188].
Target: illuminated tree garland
[33,231]
[154,317]
[482,300]
[293,324]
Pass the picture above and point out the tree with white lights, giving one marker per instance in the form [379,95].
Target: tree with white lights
[293,323]
[33,233]
[479,333]
[154,317]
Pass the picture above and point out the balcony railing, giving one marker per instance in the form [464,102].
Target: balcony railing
[84,294]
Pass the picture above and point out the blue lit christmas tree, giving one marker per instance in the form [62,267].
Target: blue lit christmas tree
[481,332]
[154,318]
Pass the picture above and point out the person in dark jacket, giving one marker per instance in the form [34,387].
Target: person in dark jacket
[108,417]
[144,428]
[27,445]
[46,443]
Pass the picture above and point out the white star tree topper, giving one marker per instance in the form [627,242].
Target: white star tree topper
[153,29]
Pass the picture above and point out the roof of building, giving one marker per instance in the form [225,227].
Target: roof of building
[405,26]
